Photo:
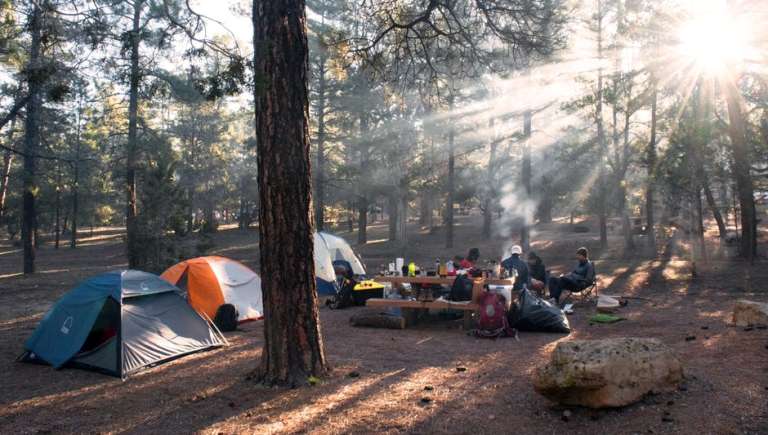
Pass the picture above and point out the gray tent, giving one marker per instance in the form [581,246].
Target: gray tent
[119,323]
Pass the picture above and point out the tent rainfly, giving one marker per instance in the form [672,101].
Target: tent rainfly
[119,323]
[213,281]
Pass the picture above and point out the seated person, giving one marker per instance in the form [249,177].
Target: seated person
[515,263]
[537,271]
[582,277]
[472,257]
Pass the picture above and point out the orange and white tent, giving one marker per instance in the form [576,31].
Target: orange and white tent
[213,281]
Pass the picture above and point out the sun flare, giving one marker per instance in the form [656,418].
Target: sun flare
[713,41]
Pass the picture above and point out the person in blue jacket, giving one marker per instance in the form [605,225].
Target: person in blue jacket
[582,276]
[515,263]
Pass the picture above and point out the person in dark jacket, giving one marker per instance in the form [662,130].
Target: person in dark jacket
[515,263]
[580,278]
[538,272]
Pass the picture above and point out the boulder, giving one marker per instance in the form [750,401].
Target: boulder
[747,313]
[607,373]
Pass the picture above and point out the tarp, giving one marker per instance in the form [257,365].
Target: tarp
[535,314]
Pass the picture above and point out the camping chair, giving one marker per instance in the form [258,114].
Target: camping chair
[590,291]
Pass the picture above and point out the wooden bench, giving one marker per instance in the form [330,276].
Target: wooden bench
[411,308]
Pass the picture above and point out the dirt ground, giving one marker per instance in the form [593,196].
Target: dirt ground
[726,368]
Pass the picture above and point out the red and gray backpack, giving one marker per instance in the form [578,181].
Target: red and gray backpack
[493,317]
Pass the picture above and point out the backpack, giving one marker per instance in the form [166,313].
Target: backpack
[461,290]
[343,297]
[493,317]
[226,318]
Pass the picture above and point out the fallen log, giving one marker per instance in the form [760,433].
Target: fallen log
[378,320]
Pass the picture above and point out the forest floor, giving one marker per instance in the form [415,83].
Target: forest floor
[726,368]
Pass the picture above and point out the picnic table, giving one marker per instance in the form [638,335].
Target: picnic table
[411,307]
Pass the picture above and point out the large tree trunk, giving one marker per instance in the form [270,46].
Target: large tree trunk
[293,344]
[490,185]
[242,216]
[133,246]
[392,213]
[57,220]
[741,169]
[650,182]
[721,230]
[76,183]
[451,184]
[362,199]
[547,202]
[320,188]
[629,240]
[403,220]
[526,174]
[5,177]
[602,182]
[362,221]
[35,76]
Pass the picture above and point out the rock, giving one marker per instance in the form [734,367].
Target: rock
[607,304]
[461,369]
[690,338]
[748,313]
[426,400]
[607,373]
[353,374]
[566,415]
[429,388]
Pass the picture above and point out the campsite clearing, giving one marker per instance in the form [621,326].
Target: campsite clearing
[726,368]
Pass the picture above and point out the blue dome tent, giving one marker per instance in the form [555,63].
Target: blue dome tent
[119,323]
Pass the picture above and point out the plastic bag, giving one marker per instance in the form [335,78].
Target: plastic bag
[532,313]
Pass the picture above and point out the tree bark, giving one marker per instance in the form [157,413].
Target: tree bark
[526,175]
[293,345]
[392,213]
[741,169]
[403,219]
[320,188]
[133,247]
[629,240]
[362,221]
[5,177]
[721,229]
[547,202]
[35,78]
[76,182]
[490,184]
[57,220]
[451,183]
[650,182]
[602,182]
[362,199]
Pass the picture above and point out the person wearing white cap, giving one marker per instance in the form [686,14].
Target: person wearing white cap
[515,263]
